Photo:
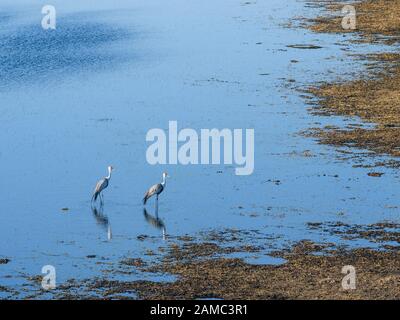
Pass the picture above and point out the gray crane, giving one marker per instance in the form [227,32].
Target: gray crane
[156,190]
[101,185]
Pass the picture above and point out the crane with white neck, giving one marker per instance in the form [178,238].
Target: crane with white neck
[156,189]
[101,185]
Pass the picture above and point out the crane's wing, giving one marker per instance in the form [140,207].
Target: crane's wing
[100,186]
[156,189]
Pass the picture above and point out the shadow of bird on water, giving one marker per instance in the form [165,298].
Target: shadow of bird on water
[155,221]
[102,220]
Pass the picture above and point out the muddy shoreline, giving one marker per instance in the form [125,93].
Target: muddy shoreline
[373,97]
[203,269]
[311,271]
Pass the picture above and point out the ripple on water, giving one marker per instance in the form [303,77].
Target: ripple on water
[31,53]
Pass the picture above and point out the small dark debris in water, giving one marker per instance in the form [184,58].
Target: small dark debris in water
[219,171]
[135,262]
[36,278]
[104,119]
[65,209]
[307,153]
[91,256]
[258,42]
[264,74]
[391,125]
[4,261]
[357,125]
[185,238]
[149,252]
[5,289]
[294,61]
[375,174]
[303,46]
[142,237]
[314,225]
[276,182]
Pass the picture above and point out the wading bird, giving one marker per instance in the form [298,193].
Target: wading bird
[101,185]
[156,190]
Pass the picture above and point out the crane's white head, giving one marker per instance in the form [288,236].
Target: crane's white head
[110,168]
[165,175]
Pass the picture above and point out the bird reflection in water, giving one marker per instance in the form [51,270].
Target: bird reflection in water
[102,220]
[155,221]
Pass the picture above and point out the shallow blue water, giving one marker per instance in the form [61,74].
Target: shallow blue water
[83,96]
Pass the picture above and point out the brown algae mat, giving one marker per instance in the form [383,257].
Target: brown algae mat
[309,271]
[305,275]
[376,101]
[377,20]
[375,96]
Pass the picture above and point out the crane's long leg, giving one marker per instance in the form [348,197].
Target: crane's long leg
[109,233]
[156,207]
